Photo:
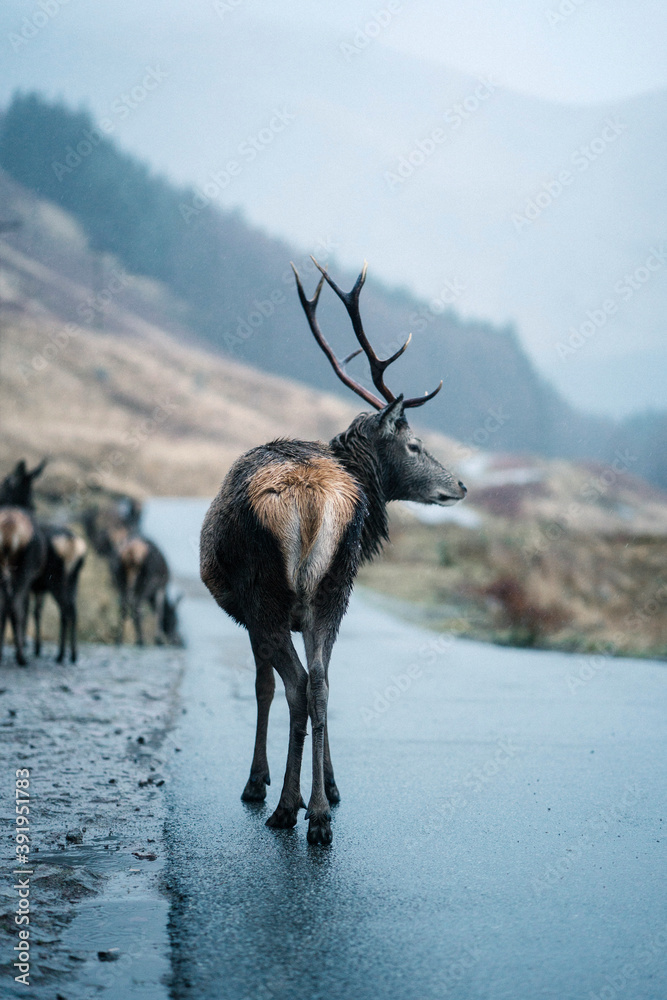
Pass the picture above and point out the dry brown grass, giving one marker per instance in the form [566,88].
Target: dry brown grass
[580,591]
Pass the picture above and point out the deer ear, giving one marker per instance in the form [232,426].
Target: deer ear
[39,469]
[392,416]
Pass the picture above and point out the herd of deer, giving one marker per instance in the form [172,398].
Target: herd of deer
[41,559]
[280,548]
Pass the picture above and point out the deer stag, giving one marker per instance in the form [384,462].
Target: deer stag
[282,542]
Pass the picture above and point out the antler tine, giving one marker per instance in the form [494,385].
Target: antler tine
[309,307]
[420,400]
[351,302]
[378,366]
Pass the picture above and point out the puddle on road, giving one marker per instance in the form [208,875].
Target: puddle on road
[132,929]
[100,858]
[121,915]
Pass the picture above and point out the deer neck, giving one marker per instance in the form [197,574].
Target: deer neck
[357,454]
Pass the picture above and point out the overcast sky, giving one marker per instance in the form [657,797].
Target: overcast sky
[603,50]
[563,50]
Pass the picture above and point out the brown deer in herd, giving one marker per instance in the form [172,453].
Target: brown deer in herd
[63,555]
[22,553]
[139,572]
[282,542]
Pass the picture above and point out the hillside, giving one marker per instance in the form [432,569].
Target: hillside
[230,287]
[236,291]
[91,374]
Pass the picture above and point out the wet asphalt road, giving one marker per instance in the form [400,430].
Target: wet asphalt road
[500,835]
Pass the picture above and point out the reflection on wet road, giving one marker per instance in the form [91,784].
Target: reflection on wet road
[499,834]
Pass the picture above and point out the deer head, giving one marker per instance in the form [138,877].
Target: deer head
[16,488]
[408,471]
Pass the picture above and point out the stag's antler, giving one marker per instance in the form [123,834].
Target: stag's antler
[378,366]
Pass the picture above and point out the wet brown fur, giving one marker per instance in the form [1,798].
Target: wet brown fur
[16,533]
[132,555]
[70,549]
[279,491]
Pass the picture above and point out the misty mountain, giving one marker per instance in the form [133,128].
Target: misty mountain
[236,292]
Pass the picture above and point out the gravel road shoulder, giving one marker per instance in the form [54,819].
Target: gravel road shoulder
[95,737]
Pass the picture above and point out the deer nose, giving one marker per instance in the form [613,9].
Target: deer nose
[462,487]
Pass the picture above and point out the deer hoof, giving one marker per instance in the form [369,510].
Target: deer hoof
[283,818]
[319,830]
[255,790]
[332,793]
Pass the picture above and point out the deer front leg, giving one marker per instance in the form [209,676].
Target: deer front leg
[265,685]
[64,623]
[39,604]
[123,611]
[73,624]
[135,611]
[3,621]
[17,616]
[160,637]
[330,786]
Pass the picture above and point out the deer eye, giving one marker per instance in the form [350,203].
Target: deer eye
[414,448]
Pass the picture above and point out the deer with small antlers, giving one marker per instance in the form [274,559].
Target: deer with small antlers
[282,542]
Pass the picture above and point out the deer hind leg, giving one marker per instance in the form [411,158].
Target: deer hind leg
[318,643]
[265,685]
[277,650]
